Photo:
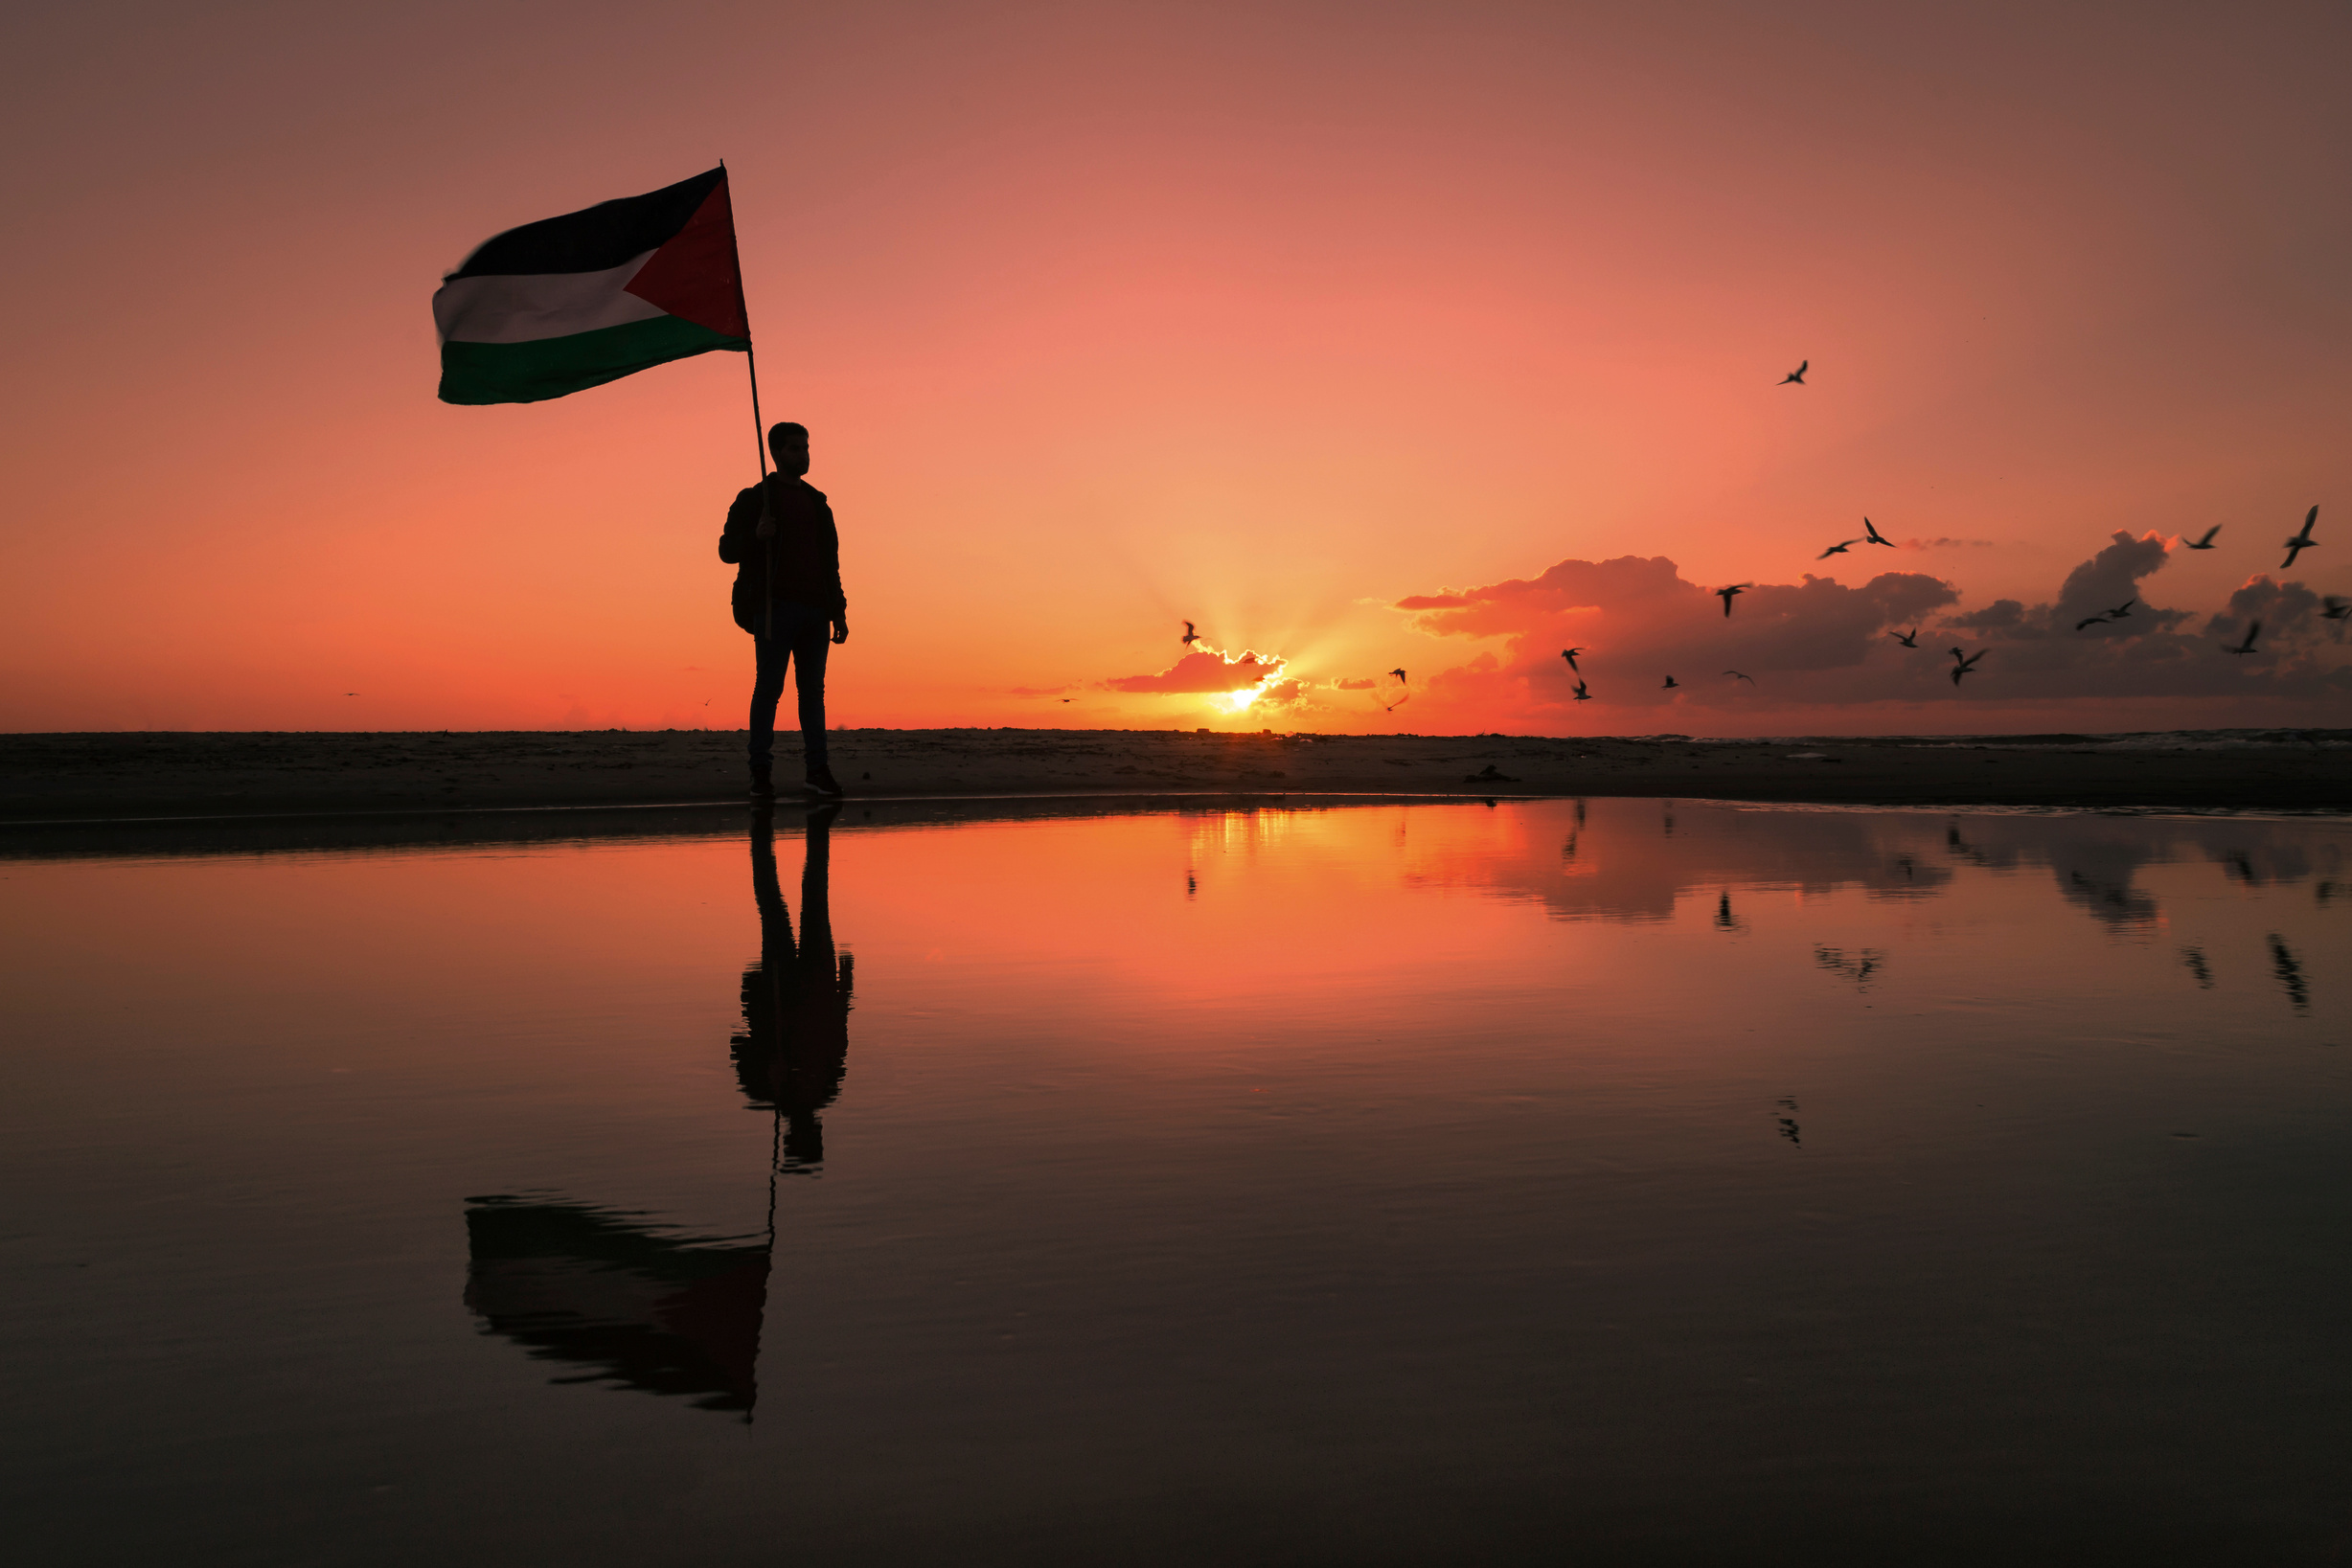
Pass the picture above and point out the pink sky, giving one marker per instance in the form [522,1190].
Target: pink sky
[1269,317]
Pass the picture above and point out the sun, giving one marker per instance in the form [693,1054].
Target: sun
[1239,701]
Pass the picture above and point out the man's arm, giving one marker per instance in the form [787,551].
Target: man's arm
[742,520]
[841,600]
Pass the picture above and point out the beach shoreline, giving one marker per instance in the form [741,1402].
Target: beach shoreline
[128,776]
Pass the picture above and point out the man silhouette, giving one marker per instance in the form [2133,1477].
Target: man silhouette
[786,556]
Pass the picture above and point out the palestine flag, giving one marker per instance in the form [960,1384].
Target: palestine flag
[570,303]
[601,1292]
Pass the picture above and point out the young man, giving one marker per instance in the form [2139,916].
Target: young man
[788,595]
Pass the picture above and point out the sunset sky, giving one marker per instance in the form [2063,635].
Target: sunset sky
[1363,335]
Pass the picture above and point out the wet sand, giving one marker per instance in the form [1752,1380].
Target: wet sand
[53,778]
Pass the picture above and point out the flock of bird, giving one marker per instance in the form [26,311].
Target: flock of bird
[1964,664]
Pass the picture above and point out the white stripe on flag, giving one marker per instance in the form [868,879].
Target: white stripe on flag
[524,307]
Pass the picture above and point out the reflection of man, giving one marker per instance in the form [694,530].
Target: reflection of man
[796,1000]
[781,540]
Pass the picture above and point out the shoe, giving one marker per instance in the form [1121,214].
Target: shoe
[821,784]
[763,782]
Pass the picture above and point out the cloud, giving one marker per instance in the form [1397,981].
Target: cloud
[1204,671]
[2284,608]
[1640,620]
[1036,691]
[2153,652]
[1944,544]
[1819,642]
[1355,683]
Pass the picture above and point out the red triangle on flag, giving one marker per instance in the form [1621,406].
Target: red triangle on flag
[696,275]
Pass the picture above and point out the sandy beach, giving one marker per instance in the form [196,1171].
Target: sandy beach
[58,778]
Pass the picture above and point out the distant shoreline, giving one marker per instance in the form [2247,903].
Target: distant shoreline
[122,776]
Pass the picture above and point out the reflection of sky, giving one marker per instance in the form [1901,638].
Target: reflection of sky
[1378,1164]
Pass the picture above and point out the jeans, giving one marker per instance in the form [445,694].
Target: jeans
[799,637]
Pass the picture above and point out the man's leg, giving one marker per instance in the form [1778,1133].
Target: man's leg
[769,654]
[809,677]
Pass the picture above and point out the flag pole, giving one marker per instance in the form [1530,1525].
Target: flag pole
[767,506]
[759,439]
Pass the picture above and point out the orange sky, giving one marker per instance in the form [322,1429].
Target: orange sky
[1270,317]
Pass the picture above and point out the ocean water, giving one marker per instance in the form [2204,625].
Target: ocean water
[1613,1181]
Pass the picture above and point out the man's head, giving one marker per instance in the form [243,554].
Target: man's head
[789,442]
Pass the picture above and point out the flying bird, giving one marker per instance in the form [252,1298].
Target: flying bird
[2090,621]
[1872,535]
[2337,608]
[2123,609]
[1964,667]
[2205,543]
[1797,375]
[1582,695]
[1728,594]
[1569,654]
[1835,550]
[2302,542]
[1399,674]
[1671,685]
[1908,638]
[1736,675]
[1189,636]
[2253,629]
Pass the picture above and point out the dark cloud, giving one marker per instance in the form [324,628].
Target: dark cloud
[2286,609]
[2153,652]
[1641,621]
[1202,672]
[1820,643]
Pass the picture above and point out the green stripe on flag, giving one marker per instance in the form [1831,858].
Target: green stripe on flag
[552,367]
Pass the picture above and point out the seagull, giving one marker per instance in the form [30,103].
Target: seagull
[2205,543]
[1569,654]
[1908,638]
[355,693]
[1728,594]
[1671,685]
[1835,550]
[2302,542]
[2123,609]
[2337,608]
[1399,674]
[1797,375]
[2090,621]
[2252,629]
[1965,666]
[1872,535]
[1189,636]
[1736,675]
[1582,695]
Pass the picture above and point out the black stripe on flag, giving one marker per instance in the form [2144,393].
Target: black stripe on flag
[593,240]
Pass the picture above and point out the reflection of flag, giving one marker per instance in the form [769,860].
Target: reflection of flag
[590,1287]
[571,302]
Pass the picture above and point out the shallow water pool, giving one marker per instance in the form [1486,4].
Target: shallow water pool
[1621,1181]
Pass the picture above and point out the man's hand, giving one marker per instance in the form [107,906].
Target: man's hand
[768,526]
[840,628]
